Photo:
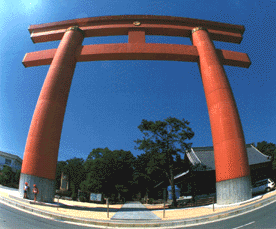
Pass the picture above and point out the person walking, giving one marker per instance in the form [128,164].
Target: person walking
[35,191]
[26,189]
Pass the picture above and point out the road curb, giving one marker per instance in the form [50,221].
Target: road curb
[144,223]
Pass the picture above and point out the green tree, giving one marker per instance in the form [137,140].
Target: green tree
[142,180]
[17,176]
[108,172]
[74,169]
[266,148]
[95,170]
[270,150]
[59,170]
[7,176]
[164,140]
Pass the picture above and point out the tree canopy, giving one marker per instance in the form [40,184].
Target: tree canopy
[266,148]
[270,150]
[107,171]
[7,175]
[74,169]
[165,141]
[59,170]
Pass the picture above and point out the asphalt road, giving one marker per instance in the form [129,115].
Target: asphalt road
[11,218]
[264,217]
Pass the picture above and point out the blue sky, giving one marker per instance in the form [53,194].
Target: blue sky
[109,99]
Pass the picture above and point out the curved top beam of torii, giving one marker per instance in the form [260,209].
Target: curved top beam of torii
[136,27]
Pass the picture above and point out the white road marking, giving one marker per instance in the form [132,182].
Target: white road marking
[51,218]
[244,225]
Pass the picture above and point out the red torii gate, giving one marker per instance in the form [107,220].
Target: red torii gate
[41,151]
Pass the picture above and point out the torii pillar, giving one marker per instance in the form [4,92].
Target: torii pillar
[233,182]
[40,156]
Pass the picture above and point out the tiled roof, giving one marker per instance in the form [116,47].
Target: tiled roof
[193,157]
[256,157]
[206,156]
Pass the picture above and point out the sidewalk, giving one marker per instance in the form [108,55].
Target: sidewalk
[134,211]
[131,214]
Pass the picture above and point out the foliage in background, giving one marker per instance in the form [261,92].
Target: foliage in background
[8,177]
[74,169]
[270,150]
[59,170]
[164,141]
[108,172]
[119,173]
[267,148]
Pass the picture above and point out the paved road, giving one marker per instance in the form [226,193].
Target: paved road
[264,217]
[134,211]
[11,218]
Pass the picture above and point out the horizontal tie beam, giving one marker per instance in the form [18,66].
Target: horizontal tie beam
[137,51]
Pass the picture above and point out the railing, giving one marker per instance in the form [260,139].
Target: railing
[197,202]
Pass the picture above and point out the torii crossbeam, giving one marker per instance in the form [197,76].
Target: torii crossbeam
[41,151]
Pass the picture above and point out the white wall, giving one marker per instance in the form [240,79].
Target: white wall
[15,165]
[2,160]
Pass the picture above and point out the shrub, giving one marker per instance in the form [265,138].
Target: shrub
[74,196]
[150,201]
[82,199]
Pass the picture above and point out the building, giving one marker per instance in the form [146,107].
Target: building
[11,160]
[203,176]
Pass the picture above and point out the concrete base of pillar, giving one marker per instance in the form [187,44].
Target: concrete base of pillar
[46,187]
[234,190]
